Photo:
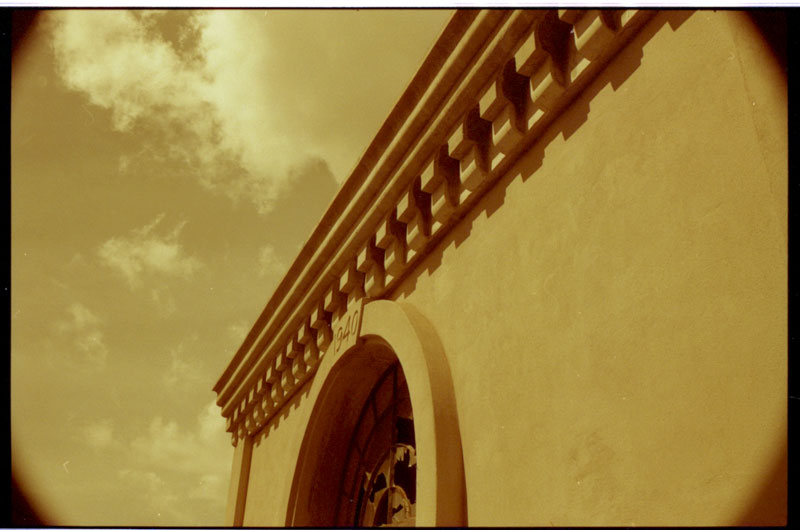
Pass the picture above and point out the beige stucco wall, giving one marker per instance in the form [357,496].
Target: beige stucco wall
[616,320]
[614,313]
[274,457]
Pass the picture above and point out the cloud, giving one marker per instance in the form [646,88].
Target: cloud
[123,163]
[237,331]
[82,328]
[183,372]
[212,424]
[182,471]
[240,97]
[160,497]
[128,71]
[208,488]
[163,300]
[169,447]
[145,251]
[82,318]
[93,348]
[271,267]
[203,107]
[99,434]
[269,262]
[236,334]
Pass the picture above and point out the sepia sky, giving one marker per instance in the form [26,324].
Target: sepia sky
[166,168]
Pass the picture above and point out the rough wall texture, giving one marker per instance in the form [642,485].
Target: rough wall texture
[274,457]
[614,311]
[616,320]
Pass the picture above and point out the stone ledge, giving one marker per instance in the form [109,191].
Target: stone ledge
[527,68]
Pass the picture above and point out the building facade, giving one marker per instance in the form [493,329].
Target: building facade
[552,292]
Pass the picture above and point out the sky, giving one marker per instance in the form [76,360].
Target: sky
[166,168]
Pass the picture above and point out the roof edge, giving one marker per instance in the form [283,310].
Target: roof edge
[431,65]
[484,95]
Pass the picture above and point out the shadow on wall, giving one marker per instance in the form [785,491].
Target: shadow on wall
[769,504]
[770,23]
[576,113]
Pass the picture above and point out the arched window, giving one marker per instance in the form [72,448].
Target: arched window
[378,486]
[366,457]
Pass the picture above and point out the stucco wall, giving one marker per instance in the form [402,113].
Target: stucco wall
[614,311]
[274,458]
[615,320]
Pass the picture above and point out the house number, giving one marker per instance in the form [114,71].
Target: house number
[348,327]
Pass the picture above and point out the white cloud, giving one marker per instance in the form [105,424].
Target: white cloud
[99,434]
[208,488]
[236,334]
[127,71]
[212,424]
[152,481]
[166,445]
[162,498]
[163,300]
[269,262]
[77,260]
[271,267]
[82,328]
[184,372]
[145,251]
[123,163]
[180,466]
[163,443]
[82,317]
[251,94]
[210,114]
[93,348]
[237,331]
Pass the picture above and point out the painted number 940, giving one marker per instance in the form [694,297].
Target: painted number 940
[347,330]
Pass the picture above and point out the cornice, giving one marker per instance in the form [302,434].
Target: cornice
[490,86]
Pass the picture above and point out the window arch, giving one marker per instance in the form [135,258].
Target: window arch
[378,486]
[336,480]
